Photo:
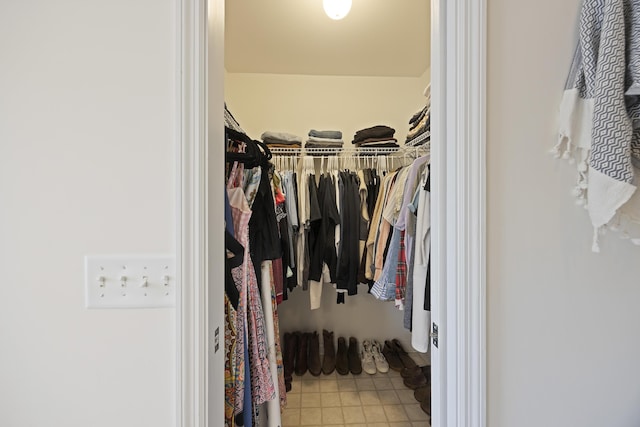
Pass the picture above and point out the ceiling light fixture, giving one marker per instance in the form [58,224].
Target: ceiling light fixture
[336,9]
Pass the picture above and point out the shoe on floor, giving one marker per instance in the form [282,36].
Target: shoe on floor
[290,349]
[415,381]
[342,360]
[410,372]
[329,357]
[315,367]
[368,363]
[381,363]
[391,356]
[355,364]
[422,393]
[426,370]
[302,353]
[406,360]
[425,405]
[416,370]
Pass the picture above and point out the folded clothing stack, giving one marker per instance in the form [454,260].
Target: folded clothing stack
[379,136]
[281,140]
[324,139]
[420,127]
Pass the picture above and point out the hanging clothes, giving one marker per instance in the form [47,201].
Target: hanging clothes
[421,318]
[406,238]
[348,260]
[261,381]
[386,264]
[324,259]
[249,380]
[374,230]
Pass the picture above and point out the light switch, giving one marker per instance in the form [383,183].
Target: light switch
[130,281]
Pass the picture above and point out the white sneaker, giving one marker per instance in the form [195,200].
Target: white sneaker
[378,358]
[368,363]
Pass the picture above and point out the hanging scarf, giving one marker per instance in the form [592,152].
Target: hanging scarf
[600,112]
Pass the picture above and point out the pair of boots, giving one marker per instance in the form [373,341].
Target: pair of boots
[348,359]
[396,356]
[302,353]
[418,379]
[423,395]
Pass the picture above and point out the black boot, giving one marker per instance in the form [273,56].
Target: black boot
[315,367]
[301,353]
[290,347]
[389,352]
[342,362]
[329,358]
[407,361]
[353,354]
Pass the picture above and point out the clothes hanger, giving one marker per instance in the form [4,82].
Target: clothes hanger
[256,152]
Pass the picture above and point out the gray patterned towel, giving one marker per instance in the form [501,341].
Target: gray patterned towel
[600,112]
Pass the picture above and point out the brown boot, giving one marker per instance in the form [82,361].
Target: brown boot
[329,358]
[425,405]
[410,372]
[389,353]
[301,353]
[315,367]
[422,393]
[426,370]
[415,381]
[407,361]
[353,354]
[342,361]
[416,370]
[290,347]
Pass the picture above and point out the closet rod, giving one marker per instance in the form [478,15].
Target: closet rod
[361,151]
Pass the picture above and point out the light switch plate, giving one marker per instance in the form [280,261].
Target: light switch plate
[130,281]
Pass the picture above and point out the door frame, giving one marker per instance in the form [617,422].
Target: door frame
[458,76]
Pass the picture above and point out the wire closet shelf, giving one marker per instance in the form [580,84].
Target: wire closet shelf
[351,157]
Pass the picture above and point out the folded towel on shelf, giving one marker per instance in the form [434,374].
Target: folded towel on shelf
[420,122]
[420,139]
[376,141]
[333,134]
[280,145]
[421,131]
[325,140]
[418,116]
[312,144]
[379,131]
[281,137]
[424,125]
[380,144]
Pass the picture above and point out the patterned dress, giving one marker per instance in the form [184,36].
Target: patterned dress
[230,362]
[240,318]
[261,383]
[278,348]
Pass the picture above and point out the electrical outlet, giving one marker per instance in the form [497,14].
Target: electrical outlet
[130,281]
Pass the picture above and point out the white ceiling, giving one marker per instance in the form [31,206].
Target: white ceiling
[377,38]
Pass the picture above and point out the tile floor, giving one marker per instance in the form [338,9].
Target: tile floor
[380,400]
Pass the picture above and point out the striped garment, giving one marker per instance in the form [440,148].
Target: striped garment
[600,112]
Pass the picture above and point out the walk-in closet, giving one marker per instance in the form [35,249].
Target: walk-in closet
[327,129]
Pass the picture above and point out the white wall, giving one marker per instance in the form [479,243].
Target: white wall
[87,153]
[562,322]
[298,103]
